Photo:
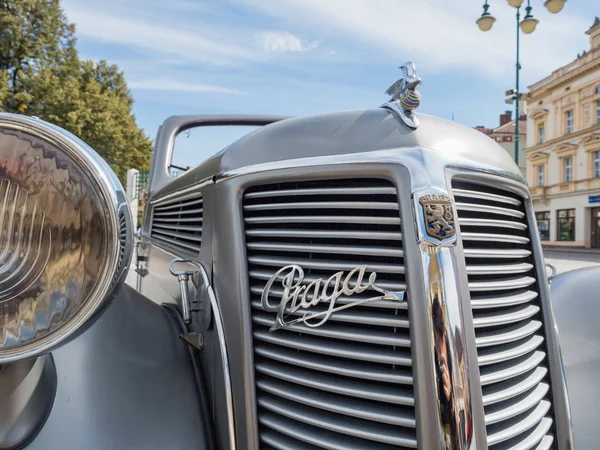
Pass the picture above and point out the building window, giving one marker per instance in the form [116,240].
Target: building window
[569,121]
[541,133]
[566,224]
[597,111]
[567,169]
[543,223]
[541,175]
[596,164]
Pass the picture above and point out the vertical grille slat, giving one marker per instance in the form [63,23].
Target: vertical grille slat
[507,317]
[348,383]
[177,224]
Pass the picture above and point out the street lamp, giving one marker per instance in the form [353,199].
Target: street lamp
[528,23]
[555,6]
[486,20]
[527,26]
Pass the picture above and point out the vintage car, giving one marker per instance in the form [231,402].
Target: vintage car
[361,280]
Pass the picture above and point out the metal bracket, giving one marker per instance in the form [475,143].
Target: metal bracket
[408,117]
[141,272]
[141,258]
[553,272]
[195,339]
[184,277]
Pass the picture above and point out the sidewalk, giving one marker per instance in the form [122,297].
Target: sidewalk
[565,259]
[566,265]
[550,248]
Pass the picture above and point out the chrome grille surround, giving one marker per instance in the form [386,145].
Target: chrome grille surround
[348,383]
[177,223]
[413,171]
[507,316]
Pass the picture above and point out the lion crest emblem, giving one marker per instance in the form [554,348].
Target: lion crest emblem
[439,216]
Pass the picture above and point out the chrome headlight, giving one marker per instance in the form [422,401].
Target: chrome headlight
[65,236]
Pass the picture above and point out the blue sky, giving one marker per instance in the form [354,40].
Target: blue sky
[299,57]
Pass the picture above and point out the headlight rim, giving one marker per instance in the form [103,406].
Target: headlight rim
[107,187]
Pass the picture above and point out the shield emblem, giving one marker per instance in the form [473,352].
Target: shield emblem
[438,215]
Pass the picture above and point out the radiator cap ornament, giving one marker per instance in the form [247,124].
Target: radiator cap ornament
[405,97]
[438,216]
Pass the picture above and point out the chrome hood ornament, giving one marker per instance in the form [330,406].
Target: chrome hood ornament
[405,97]
[298,295]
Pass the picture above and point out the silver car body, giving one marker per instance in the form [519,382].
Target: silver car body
[370,143]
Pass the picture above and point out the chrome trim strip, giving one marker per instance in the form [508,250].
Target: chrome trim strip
[416,159]
[224,356]
[188,190]
[451,362]
[183,277]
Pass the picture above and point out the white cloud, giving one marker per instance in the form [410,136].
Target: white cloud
[179,86]
[173,40]
[282,42]
[184,45]
[436,34]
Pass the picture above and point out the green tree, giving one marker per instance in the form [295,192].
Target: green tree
[42,75]
[3,87]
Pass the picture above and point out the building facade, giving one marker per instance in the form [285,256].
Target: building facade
[563,150]
[504,135]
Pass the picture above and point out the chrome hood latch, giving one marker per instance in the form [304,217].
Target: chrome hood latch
[194,338]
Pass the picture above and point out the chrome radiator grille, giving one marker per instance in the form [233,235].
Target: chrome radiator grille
[507,317]
[177,224]
[348,383]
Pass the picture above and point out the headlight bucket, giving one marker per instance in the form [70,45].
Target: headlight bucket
[65,236]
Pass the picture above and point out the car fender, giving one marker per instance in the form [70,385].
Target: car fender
[126,383]
[575,299]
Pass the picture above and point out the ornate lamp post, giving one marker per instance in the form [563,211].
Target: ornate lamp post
[527,26]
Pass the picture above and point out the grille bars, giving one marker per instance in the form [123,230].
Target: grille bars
[347,383]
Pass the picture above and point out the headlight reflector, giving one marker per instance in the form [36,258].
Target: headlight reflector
[63,216]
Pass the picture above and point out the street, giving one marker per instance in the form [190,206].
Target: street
[568,259]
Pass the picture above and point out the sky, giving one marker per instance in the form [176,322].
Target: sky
[301,57]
